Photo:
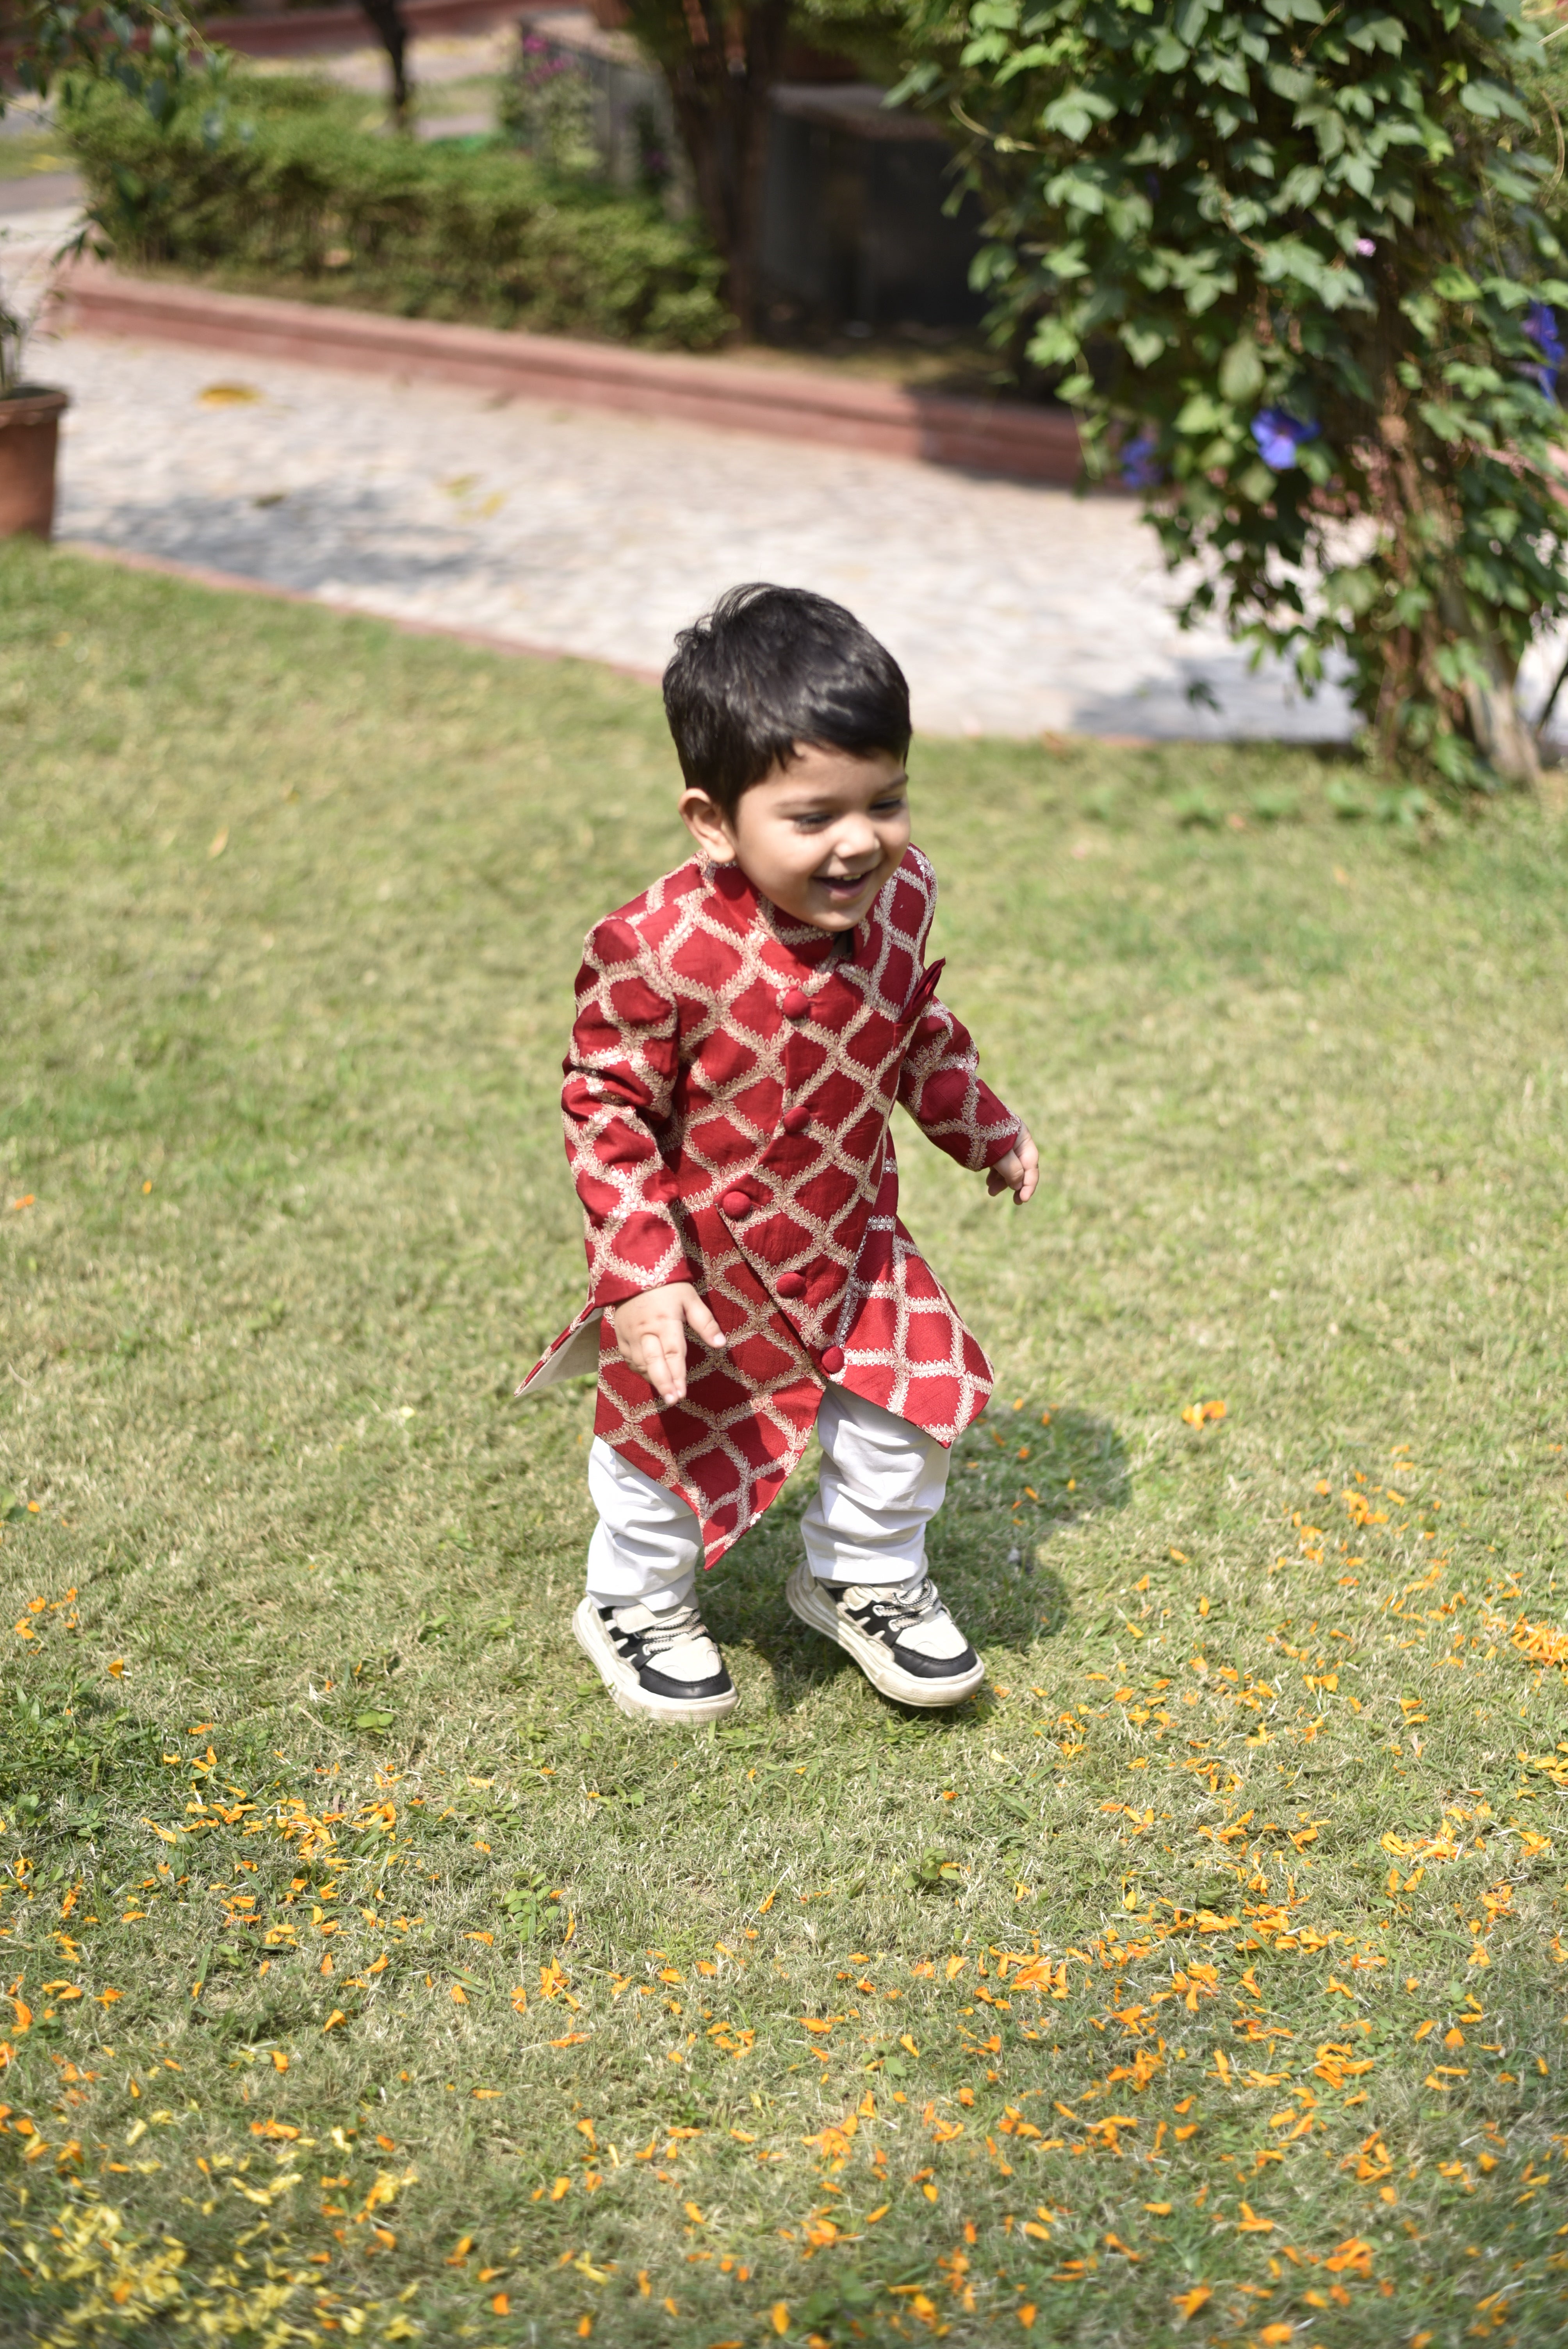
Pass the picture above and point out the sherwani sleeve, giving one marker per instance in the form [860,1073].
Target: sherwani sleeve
[620,1083]
[941,1088]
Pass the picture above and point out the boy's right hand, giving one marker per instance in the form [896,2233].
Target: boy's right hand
[650,1331]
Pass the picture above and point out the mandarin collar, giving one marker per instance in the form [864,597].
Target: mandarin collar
[747,903]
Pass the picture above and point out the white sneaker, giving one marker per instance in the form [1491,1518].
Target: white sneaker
[903,1639]
[657,1667]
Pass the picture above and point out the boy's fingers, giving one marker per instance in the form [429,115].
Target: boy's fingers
[665,1369]
[703,1322]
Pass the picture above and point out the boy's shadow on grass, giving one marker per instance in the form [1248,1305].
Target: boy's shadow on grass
[1014,1482]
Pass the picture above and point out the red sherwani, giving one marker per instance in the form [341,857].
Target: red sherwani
[727,1102]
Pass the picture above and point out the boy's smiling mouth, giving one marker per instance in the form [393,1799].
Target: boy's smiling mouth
[843,887]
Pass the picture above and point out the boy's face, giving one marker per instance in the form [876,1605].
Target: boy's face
[818,836]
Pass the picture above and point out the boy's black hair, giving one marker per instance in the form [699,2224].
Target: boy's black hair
[769,668]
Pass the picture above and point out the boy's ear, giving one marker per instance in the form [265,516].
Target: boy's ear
[708,826]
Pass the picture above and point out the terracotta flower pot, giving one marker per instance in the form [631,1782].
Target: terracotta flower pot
[30,436]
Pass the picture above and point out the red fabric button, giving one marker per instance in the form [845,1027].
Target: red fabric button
[796,1121]
[794,1003]
[791,1284]
[736,1204]
[833,1361]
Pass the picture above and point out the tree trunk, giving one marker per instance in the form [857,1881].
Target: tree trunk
[720,89]
[1500,733]
[386,17]
[1490,702]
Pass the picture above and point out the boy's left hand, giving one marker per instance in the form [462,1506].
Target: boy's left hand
[1019,1172]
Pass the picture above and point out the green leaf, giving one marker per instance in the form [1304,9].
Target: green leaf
[376,1721]
[1291,82]
[1455,284]
[1143,344]
[1489,99]
[1074,115]
[1242,373]
[1443,420]
[1202,413]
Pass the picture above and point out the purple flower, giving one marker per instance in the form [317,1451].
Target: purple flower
[1541,326]
[1279,435]
[1364,247]
[1138,468]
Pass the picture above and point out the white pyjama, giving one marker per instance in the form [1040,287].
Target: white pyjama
[883,1481]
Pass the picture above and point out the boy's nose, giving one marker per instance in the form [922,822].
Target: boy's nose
[855,840]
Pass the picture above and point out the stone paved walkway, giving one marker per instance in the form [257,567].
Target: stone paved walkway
[1014,609]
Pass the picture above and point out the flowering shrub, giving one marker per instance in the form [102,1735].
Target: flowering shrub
[547,107]
[1293,269]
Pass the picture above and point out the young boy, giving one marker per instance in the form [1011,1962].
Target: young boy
[744,1029]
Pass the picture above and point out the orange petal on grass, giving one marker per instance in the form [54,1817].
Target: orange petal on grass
[1190,2303]
[334,2019]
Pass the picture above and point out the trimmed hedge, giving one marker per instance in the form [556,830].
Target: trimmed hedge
[277,185]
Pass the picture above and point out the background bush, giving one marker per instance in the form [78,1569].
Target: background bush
[279,182]
[1299,269]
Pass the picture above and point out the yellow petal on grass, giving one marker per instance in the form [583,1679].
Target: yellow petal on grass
[1249,2223]
[334,2019]
[780,2316]
[1190,2303]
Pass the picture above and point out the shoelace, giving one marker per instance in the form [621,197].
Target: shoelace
[914,1603]
[666,1631]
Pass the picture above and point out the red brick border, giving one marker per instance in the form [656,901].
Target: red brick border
[1027,444]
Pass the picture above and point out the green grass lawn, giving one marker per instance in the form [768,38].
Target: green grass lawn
[374,1979]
